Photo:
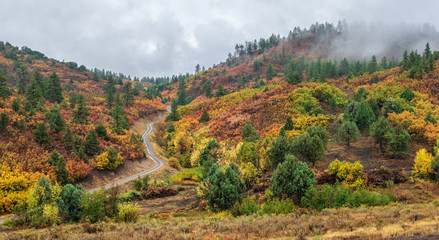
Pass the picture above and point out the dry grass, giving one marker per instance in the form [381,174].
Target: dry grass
[394,221]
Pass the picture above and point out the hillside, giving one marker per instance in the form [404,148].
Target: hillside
[66,121]
[282,140]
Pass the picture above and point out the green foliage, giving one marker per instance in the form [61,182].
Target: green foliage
[56,122]
[289,125]
[319,132]
[399,142]
[128,212]
[304,102]
[170,128]
[381,131]
[113,158]
[127,90]
[193,174]
[173,116]
[101,131]
[54,90]
[392,105]
[360,95]
[269,72]
[348,133]
[281,147]
[208,157]
[337,196]
[248,153]
[91,143]
[309,148]
[435,166]
[93,206]
[41,135]
[4,121]
[225,188]
[120,119]
[221,91]
[81,113]
[5,92]
[291,178]
[348,173]
[60,169]
[408,94]
[204,117]
[69,203]
[430,119]
[249,133]
[141,184]
[34,93]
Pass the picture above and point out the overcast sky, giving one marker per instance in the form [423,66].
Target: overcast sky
[154,38]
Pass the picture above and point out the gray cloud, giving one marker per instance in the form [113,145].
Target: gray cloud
[169,37]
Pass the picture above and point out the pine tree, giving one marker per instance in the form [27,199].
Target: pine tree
[33,93]
[54,90]
[5,92]
[120,122]
[348,133]
[221,91]
[373,65]
[364,116]
[67,137]
[4,121]
[310,148]
[430,119]
[289,125]
[41,135]
[408,94]
[23,79]
[61,171]
[80,115]
[249,133]
[56,122]
[399,142]
[95,77]
[205,117]
[173,116]
[269,72]
[182,95]
[101,131]
[110,90]
[381,131]
[279,149]
[91,143]
[127,91]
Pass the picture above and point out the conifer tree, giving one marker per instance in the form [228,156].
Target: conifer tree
[221,91]
[5,92]
[381,131]
[4,121]
[56,122]
[279,149]
[249,133]
[81,113]
[269,72]
[127,91]
[91,143]
[348,133]
[41,135]
[54,89]
[110,90]
[289,125]
[205,117]
[101,131]
[33,93]
[61,171]
[120,122]
[173,116]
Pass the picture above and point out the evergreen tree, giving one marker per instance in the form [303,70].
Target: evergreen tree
[221,91]
[33,93]
[269,72]
[360,94]
[344,68]
[56,122]
[291,178]
[15,105]
[289,125]
[70,202]
[430,119]
[80,115]
[23,79]
[208,157]
[67,137]
[101,131]
[95,77]
[110,90]
[279,149]
[320,132]
[399,142]
[205,117]
[5,92]
[249,133]
[381,131]
[364,116]
[61,171]
[373,65]
[408,94]
[348,133]
[170,128]
[41,135]
[173,116]
[91,143]
[120,123]
[310,148]
[54,90]
[391,105]
[127,91]
[4,121]
[182,95]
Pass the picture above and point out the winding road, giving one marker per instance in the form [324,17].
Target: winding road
[158,162]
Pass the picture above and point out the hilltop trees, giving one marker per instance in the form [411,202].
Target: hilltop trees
[54,90]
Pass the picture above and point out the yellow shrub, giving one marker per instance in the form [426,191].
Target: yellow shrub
[103,161]
[349,173]
[422,167]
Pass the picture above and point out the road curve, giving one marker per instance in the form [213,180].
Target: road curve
[158,162]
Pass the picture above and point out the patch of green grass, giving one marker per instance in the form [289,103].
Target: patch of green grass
[193,174]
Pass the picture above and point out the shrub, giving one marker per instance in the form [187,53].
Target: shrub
[101,131]
[109,159]
[291,178]
[422,166]
[349,173]
[50,215]
[70,202]
[129,196]
[278,206]
[128,213]
[93,206]
[193,174]
[248,207]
